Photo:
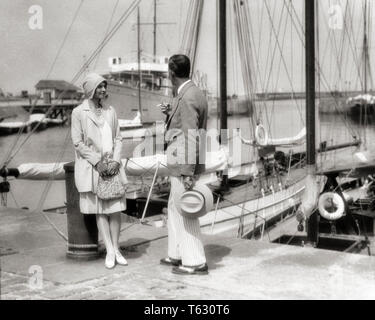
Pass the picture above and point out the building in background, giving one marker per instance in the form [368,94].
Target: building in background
[57,89]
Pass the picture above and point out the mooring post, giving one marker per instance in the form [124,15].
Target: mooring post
[82,228]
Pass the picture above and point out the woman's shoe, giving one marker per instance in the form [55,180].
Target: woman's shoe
[120,259]
[110,261]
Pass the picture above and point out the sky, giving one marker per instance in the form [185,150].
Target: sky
[27,54]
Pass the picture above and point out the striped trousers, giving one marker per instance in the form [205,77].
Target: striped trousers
[184,235]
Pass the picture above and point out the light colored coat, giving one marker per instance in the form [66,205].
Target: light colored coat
[189,112]
[87,142]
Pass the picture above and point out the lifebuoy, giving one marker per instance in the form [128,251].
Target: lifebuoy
[338,206]
[261,135]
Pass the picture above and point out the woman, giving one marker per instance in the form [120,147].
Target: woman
[95,134]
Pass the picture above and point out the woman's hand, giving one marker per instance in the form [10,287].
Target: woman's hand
[113,168]
[101,167]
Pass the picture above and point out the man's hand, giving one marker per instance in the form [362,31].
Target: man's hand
[101,167]
[188,181]
[165,107]
[113,168]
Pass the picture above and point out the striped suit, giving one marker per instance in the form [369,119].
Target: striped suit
[189,111]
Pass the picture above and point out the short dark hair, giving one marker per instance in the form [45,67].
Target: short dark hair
[180,65]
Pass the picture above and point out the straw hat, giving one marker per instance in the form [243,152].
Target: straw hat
[194,203]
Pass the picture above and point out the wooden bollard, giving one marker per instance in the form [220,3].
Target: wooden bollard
[82,228]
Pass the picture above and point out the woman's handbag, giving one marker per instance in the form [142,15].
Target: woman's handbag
[110,188]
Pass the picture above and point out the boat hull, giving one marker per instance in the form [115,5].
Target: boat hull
[362,112]
[253,212]
[125,100]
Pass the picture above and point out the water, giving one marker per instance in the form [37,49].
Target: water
[283,118]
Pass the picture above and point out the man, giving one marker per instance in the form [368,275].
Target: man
[187,116]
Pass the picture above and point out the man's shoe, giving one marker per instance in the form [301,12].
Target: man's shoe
[171,262]
[200,270]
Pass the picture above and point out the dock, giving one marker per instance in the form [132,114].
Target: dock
[238,269]
[62,107]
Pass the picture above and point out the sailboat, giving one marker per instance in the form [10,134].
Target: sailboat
[362,106]
[254,192]
[136,86]
[339,212]
[253,195]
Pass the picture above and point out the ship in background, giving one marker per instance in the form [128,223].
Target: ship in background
[135,95]
[136,85]
[135,89]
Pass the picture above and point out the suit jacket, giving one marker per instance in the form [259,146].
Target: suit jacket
[186,129]
[87,142]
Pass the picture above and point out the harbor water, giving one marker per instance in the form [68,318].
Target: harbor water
[283,118]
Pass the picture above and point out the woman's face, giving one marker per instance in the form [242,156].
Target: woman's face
[100,92]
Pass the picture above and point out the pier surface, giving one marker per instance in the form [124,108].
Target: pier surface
[238,269]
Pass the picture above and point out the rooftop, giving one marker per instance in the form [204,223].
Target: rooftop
[144,66]
[61,85]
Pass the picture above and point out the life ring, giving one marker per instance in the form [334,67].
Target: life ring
[336,210]
[261,135]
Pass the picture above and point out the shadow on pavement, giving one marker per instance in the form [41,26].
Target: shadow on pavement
[134,247]
[215,254]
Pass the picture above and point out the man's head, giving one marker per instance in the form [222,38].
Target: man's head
[179,67]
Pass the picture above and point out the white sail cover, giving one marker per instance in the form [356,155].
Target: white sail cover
[310,196]
[262,138]
[361,99]
[215,161]
[42,171]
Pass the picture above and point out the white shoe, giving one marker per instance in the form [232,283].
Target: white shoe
[120,259]
[110,261]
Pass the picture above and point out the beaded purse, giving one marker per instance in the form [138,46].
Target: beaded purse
[110,188]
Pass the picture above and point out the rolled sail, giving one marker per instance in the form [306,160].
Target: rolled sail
[262,138]
[215,161]
[42,171]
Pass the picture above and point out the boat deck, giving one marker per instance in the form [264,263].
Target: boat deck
[239,269]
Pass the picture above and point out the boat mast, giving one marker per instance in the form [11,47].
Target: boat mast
[310,80]
[139,62]
[365,47]
[155,30]
[223,77]
[310,106]
[366,57]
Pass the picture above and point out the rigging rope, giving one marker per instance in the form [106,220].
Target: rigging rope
[282,57]
[324,79]
[107,30]
[65,38]
[108,37]
[78,74]
[191,33]
[122,19]
[8,156]
[246,58]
